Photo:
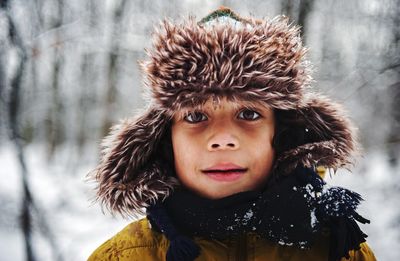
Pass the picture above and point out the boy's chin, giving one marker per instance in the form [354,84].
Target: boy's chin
[218,187]
[218,193]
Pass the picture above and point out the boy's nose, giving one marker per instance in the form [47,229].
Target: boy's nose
[223,142]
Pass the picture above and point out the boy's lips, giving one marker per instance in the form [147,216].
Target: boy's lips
[225,172]
[223,167]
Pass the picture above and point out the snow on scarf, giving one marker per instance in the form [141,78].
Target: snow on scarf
[290,212]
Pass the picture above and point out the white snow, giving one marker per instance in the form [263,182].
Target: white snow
[313,218]
[249,214]
[64,199]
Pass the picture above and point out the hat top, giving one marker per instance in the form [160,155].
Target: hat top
[222,12]
[225,15]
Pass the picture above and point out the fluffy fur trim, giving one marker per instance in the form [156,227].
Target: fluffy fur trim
[260,60]
[130,176]
[133,175]
[331,138]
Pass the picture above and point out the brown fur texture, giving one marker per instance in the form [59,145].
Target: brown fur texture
[128,179]
[333,143]
[190,62]
[258,61]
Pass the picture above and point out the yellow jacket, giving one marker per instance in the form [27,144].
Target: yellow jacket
[138,242]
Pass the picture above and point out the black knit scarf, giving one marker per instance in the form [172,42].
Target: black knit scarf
[290,211]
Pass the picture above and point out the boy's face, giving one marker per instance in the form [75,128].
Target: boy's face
[224,149]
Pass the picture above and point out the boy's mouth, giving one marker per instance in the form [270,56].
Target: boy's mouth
[225,172]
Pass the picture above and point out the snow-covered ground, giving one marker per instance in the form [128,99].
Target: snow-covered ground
[63,195]
[78,226]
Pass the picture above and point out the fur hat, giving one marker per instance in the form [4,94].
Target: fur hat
[227,56]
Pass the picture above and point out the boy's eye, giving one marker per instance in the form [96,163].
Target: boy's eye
[249,115]
[195,117]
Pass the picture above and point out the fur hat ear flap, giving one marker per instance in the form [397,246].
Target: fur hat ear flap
[325,137]
[130,176]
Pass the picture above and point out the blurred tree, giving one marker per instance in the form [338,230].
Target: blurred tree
[29,209]
[393,139]
[298,12]
[112,70]
[287,8]
[13,113]
[30,131]
[305,9]
[87,77]
[2,87]
[54,125]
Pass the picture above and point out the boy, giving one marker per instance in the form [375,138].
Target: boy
[224,160]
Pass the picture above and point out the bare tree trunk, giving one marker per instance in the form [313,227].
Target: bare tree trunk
[28,206]
[84,99]
[287,8]
[305,9]
[54,126]
[3,107]
[87,97]
[110,97]
[13,108]
[298,11]
[393,139]
[30,132]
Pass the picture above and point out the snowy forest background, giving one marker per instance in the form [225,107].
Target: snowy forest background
[68,71]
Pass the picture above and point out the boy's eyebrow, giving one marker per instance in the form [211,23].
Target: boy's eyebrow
[183,112]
